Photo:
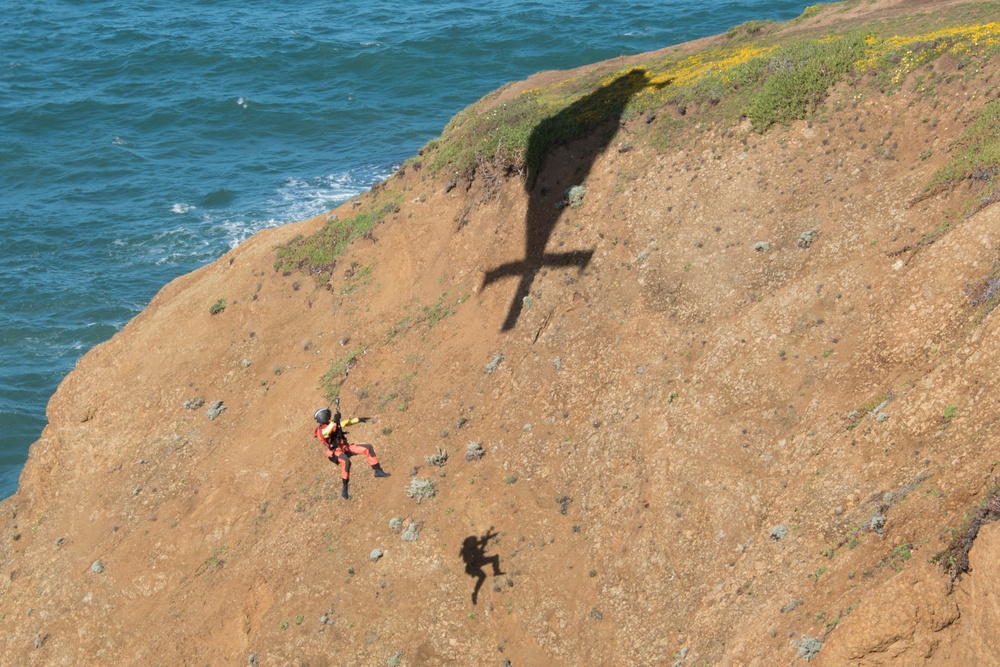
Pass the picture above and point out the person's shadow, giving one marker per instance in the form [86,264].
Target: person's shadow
[474,554]
[603,107]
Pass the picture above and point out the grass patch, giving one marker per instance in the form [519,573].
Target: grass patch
[950,412]
[869,408]
[749,29]
[428,315]
[975,156]
[317,253]
[356,277]
[335,377]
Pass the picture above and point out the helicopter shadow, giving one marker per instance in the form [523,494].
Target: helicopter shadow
[543,213]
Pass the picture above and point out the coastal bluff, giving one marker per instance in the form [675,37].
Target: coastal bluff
[686,358]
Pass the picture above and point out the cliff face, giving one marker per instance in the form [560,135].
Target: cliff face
[732,396]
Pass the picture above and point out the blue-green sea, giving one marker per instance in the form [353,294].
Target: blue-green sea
[141,140]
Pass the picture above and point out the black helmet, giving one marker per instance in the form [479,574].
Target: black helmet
[322,416]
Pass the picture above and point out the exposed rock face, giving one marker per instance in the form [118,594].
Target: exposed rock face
[656,415]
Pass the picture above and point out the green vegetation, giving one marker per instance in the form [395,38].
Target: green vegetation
[437,459]
[317,253]
[793,81]
[955,557]
[217,307]
[757,75]
[975,156]
[335,377]
[749,29]
[360,276]
[950,411]
[424,315]
[813,10]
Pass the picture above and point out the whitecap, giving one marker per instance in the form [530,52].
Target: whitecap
[181,208]
[241,102]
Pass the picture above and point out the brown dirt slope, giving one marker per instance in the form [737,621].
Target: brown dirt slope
[697,451]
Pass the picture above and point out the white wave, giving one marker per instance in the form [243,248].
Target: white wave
[181,208]
[297,199]
[241,102]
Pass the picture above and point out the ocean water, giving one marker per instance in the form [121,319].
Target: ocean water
[139,141]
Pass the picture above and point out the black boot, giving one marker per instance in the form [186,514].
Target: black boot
[343,490]
[378,470]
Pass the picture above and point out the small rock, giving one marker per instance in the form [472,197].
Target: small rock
[59,541]
[193,403]
[778,532]
[375,555]
[807,237]
[97,567]
[762,246]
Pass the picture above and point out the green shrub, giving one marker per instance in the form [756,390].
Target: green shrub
[437,459]
[420,489]
[792,81]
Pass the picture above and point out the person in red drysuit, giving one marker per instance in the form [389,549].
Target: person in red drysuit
[330,432]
